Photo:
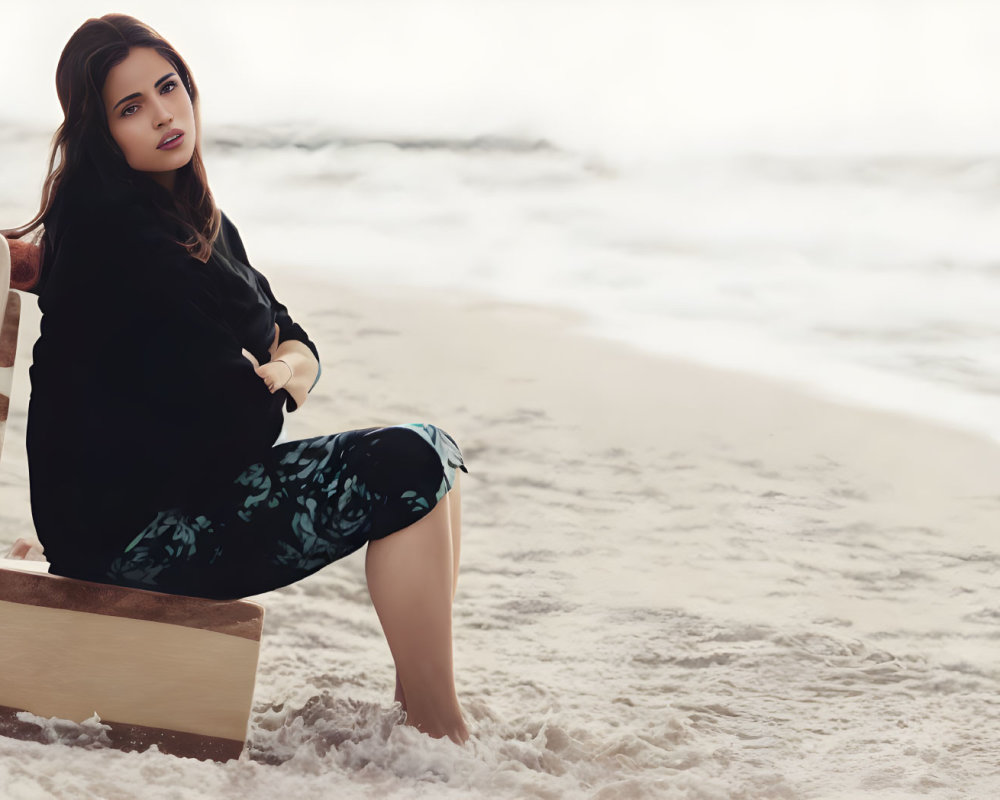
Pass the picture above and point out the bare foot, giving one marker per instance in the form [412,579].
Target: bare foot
[459,735]
[438,729]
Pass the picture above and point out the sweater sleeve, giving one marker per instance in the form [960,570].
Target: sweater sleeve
[290,330]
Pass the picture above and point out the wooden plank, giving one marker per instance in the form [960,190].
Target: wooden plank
[4,280]
[242,618]
[8,332]
[8,349]
[134,737]
[69,664]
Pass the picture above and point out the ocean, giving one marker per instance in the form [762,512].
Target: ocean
[868,280]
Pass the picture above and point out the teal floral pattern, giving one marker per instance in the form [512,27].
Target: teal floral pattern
[307,504]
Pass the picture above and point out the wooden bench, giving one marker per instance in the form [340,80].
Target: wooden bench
[162,669]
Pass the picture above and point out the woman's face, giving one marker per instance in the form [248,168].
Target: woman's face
[145,101]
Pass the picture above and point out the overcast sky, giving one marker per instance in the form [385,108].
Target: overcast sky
[622,76]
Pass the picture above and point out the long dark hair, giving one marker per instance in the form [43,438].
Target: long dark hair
[90,161]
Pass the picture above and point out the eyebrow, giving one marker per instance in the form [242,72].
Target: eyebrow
[139,94]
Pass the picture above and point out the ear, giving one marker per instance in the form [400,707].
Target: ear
[25,264]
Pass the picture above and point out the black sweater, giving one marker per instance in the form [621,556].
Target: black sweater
[141,399]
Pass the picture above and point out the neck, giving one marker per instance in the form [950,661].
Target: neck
[165,179]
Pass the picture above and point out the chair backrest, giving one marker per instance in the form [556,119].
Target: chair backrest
[10,309]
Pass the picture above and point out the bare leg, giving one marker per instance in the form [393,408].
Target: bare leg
[454,497]
[411,582]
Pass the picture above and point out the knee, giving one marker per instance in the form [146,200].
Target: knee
[396,454]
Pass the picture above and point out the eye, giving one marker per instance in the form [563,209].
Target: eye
[166,88]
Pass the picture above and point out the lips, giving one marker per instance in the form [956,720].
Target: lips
[167,136]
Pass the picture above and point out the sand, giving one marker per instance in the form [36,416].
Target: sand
[677,582]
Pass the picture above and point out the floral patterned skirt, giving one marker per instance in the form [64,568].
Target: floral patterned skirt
[310,502]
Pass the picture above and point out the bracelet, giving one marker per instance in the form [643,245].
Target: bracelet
[291,373]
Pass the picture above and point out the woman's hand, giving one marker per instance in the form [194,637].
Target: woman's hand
[292,366]
[275,374]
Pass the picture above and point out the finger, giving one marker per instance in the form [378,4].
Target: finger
[250,357]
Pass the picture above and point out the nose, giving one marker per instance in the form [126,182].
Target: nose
[162,116]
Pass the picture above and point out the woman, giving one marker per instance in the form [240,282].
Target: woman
[159,377]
